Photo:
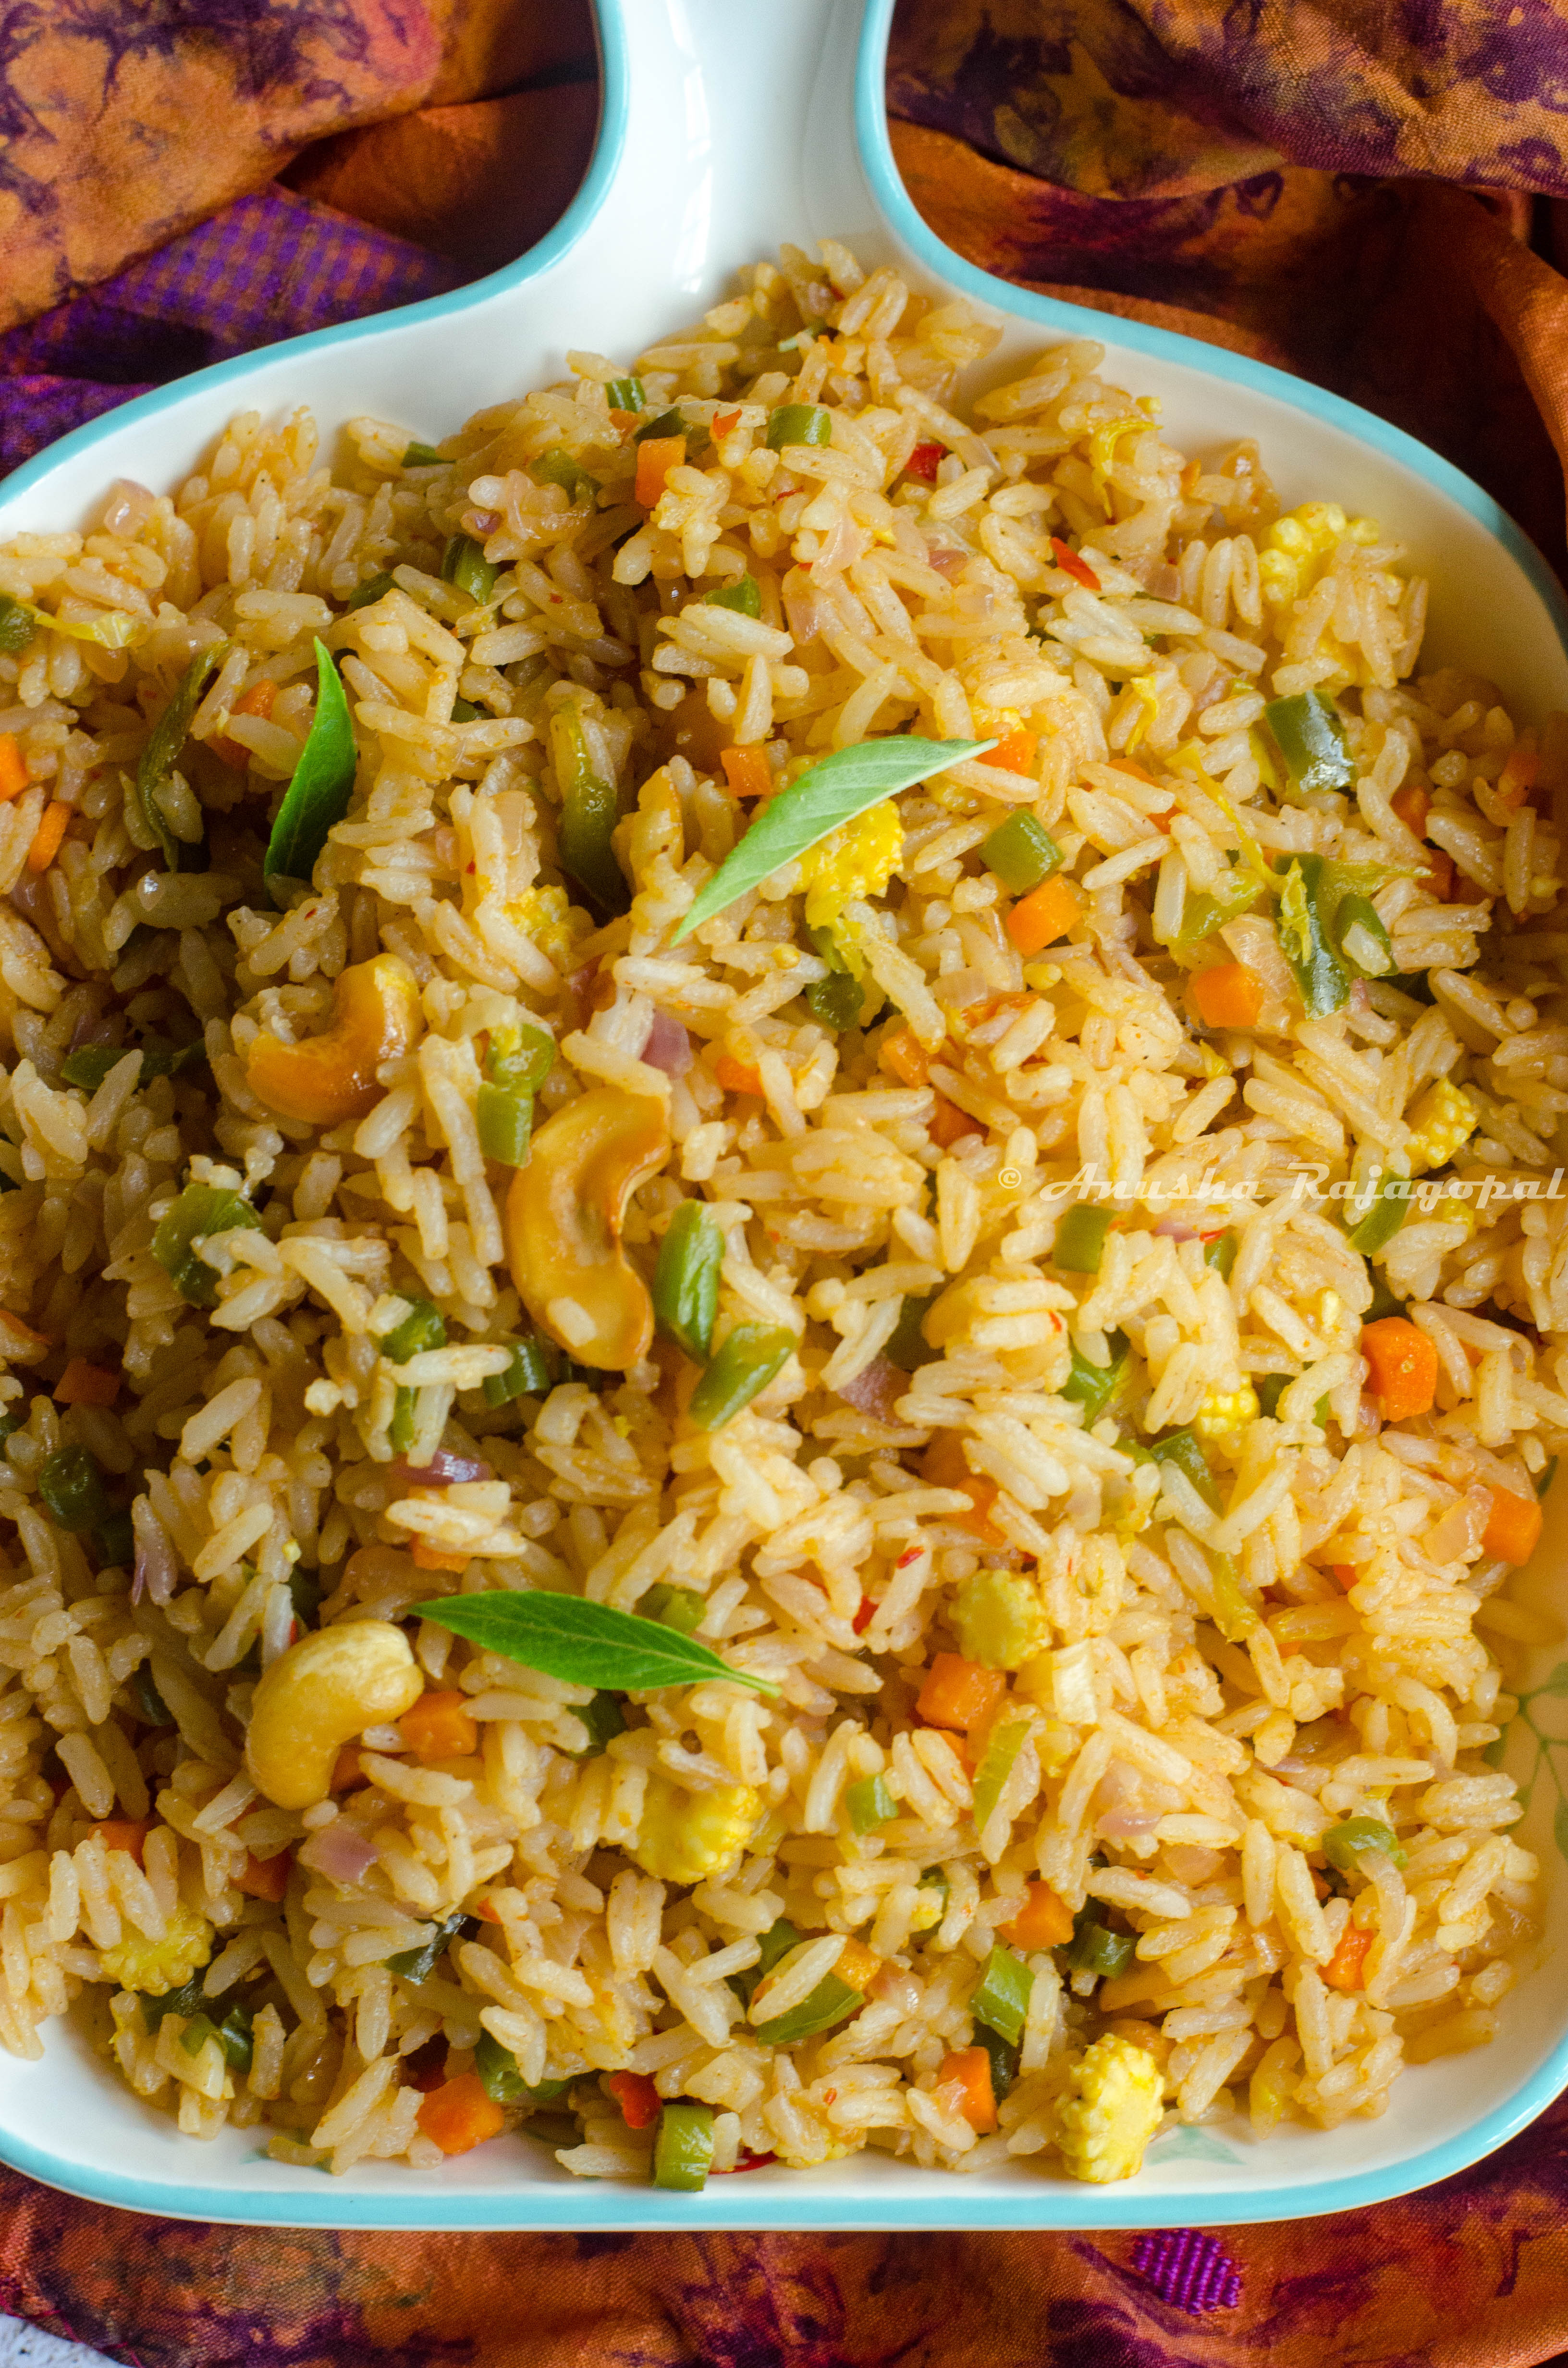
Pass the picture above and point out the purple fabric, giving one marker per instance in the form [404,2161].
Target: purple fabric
[1189,2269]
[268,266]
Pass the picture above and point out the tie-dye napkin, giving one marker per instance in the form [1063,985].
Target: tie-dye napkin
[1370,197]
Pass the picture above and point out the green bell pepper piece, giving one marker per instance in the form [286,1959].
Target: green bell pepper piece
[1094,1386]
[1004,2059]
[520,1056]
[799,423]
[837,1001]
[18,625]
[1081,1239]
[185,2000]
[201,1210]
[1374,1229]
[1312,739]
[420,1329]
[1181,1448]
[996,1763]
[1301,927]
[71,1483]
[418,1964]
[528,1375]
[669,423]
[869,1804]
[683,2147]
[1021,852]
[1220,1253]
[1342,1844]
[626,394]
[1363,940]
[1096,1949]
[775,1943]
[1235,1614]
[831,2002]
[590,808]
[504,1116]
[236,2039]
[364,594]
[744,596]
[1202,914]
[465,567]
[1383,1301]
[680,1607]
[907,1346]
[685,1280]
[604,1719]
[752,1356]
[423,456]
[1001,1999]
[559,467]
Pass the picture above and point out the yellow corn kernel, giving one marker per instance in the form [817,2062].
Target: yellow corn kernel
[1000,1619]
[1442,1119]
[155,1968]
[1453,1211]
[542,915]
[1297,545]
[1227,1411]
[856,1965]
[1114,2104]
[684,1836]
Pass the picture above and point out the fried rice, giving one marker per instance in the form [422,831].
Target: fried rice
[965,1575]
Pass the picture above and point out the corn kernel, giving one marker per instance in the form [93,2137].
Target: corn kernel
[155,1968]
[1114,2105]
[1225,1411]
[683,1836]
[1442,1119]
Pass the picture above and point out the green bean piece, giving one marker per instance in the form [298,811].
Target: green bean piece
[1096,1949]
[626,394]
[669,423]
[1021,852]
[528,1375]
[831,2002]
[1094,1386]
[1363,941]
[116,1541]
[1081,1239]
[680,1607]
[1235,1614]
[837,1001]
[1181,1448]
[164,743]
[363,594]
[907,1346]
[1311,738]
[1384,1218]
[466,569]
[997,1761]
[1001,1999]
[418,1964]
[559,467]
[753,1355]
[504,1117]
[423,456]
[1220,1253]
[869,1804]
[200,1212]
[1547,1477]
[799,423]
[775,1943]
[72,1486]
[590,808]
[1004,2058]
[742,596]
[520,1056]
[685,1280]
[18,625]
[1342,1844]
[185,2000]
[604,1719]
[683,2147]
[420,1329]
[235,2039]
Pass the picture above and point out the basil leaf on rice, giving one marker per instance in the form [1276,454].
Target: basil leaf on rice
[582,1643]
[831,793]
[321,786]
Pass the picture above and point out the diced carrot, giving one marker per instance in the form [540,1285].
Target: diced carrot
[259,700]
[1044,1921]
[429,1557]
[48,835]
[1412,804]
[1344,1574]
[958,1692]
[1015,754]
[1229,995]
[1343,1970]
[265,1878]
[1513,1527]
[943,1465]
[623,419]
[737,1076]
[970,2070]
[748,771]
[13,766]
[458,2114]
[85,1384]
[347,1775]
[1404,1367]
[923,462]
[124,1833]
[1046,914]
[724,421]
[1438,876]
[905,1054]
[640,2102]
[439,1727]
[1071,564]
[856,1965]
[1517,777]
[656,458]
[948,1124]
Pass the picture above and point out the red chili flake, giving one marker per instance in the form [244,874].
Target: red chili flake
[1070,562]
[864,1617]
[637,2097]
[723,421]
[923,461]
[747,2162]
[905,1559]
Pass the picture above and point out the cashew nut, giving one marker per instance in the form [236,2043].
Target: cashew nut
[564,1213]
[327,1688]
[329,1078]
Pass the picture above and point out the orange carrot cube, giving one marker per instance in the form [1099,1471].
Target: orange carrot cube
[458,2114]
[656,458]
[958,1693]
[641,2103]
[943,1465]
[1412,804]
[1229,995]
[969,2071]
[1044,1921]
[948,1124]
[904,1054]
[265,1878]
[1403,1367]
[49,836]
[1343,1970]
[439,1727]
[124,1833]
[737,1076]
[13,766]
[748,771]
[1046,914]
[429,1557]
[1513,1527]
[1015,754]
[85,1384]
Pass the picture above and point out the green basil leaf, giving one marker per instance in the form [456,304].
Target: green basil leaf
[820,800]
[166,739]
[584,1643]
[323,782]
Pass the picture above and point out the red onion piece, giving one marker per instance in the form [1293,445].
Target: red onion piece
[876,1390]
[1118,1827]
[443,1471]
[1174,1230]
[155,1571]
[803,611]
[948,559]
[668,1047]
[340,1851]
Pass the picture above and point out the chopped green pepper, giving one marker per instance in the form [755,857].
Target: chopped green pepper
[197,2033]
[934,1880]
[1220,1253]
[465,567]
[1094,1386]
[1301,927]
[590,807]
[1311,738]
[837,1001]
[1003,1746]
[685,1280]
[680,1607]
[1342,1844]
[71,1483]
[1383,1301]
[166,740]
[1021,852]
[753,1355]
[528,1375]
[363,594]
[503,2081]
[201,1210]
[831,2002]
[1235,1614]
[869,1804]
[1271,1388]
[625,394]
[906,1346]
[1004,2059]
[683,2147]
[559,467]
[18,625]
[1384,1218]
[1081,1239]
[185,2000]
[669,423]
[235,2039]
[1202,914]
[1363,940]
[604,1719]
[520,1056]
[1001,1999]
[504,1116]
[744,596]
[1096,1949]
[418,1964]
[1181,1448]
[799,423]
[90,1064]
[465,711]
[420,1329]
[775,1943]
[423,456]
[150,1702]
[116,1541]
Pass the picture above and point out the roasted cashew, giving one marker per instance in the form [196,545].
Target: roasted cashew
[564,1213]
[330,1078]
[327,1689]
